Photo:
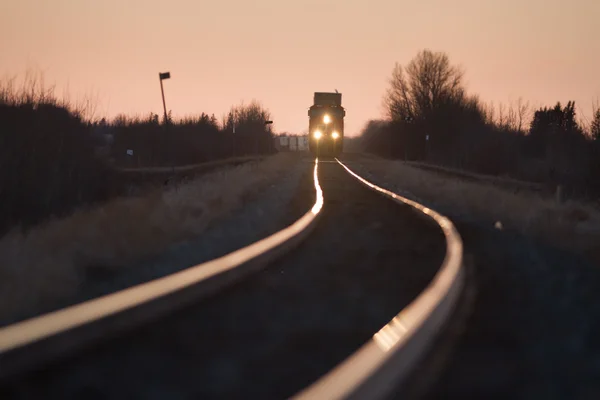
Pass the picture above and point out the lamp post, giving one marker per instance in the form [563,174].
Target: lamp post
[162,76]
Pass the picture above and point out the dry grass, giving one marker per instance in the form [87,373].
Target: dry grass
[571,225]
[51,261]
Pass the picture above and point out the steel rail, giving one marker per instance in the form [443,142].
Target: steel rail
[385,362]
[191,167]
[32,343]
[481,178]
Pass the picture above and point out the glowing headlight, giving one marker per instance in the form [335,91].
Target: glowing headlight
[335,135]
[327,119]
[317,134]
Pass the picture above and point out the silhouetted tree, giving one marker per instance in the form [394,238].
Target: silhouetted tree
[522,115]
[375,137]
[427,99]
[552,127]
[509,119]
[251,135]
[595,126]
[556,137]
[48,165]
[429,109]
[427,83]
[54,160]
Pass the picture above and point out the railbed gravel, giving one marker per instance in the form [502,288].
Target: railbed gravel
[276,332]
[533,331]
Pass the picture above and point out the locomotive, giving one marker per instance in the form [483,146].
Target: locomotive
[326,124]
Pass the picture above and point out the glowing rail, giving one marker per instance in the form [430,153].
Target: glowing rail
[384,362]
[40,339]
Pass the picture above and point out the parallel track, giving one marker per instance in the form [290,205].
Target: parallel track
[373,371]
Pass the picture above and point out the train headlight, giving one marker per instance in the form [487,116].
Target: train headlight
[335,135]
[317,135]
[327,119]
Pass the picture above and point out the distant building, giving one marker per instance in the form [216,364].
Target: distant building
[291,143]
[302,143]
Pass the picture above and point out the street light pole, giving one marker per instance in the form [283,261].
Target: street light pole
[161,77]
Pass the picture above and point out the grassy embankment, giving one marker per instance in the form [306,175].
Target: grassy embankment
[570,225]
[50,261]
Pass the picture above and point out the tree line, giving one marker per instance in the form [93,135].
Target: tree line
[149,142]
[54,160]
[432,118]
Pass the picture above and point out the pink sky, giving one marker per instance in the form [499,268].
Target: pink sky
[278,52]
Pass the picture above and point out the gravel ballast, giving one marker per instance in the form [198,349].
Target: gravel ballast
[275,333]
[532,331]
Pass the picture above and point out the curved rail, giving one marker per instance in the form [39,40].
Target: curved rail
[32,342]
[384,362]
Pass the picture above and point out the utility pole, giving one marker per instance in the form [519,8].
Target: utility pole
[162,76]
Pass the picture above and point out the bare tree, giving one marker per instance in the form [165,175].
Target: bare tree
[523,114]
[427,82]
[86,107]
[501,116]
[398,100]
[247,118]
[513,117]
[489,113]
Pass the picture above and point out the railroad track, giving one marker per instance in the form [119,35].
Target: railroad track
[170,175]
[506,183]
[189,168]
[341,304]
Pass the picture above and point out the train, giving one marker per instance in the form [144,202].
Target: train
[326,124]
